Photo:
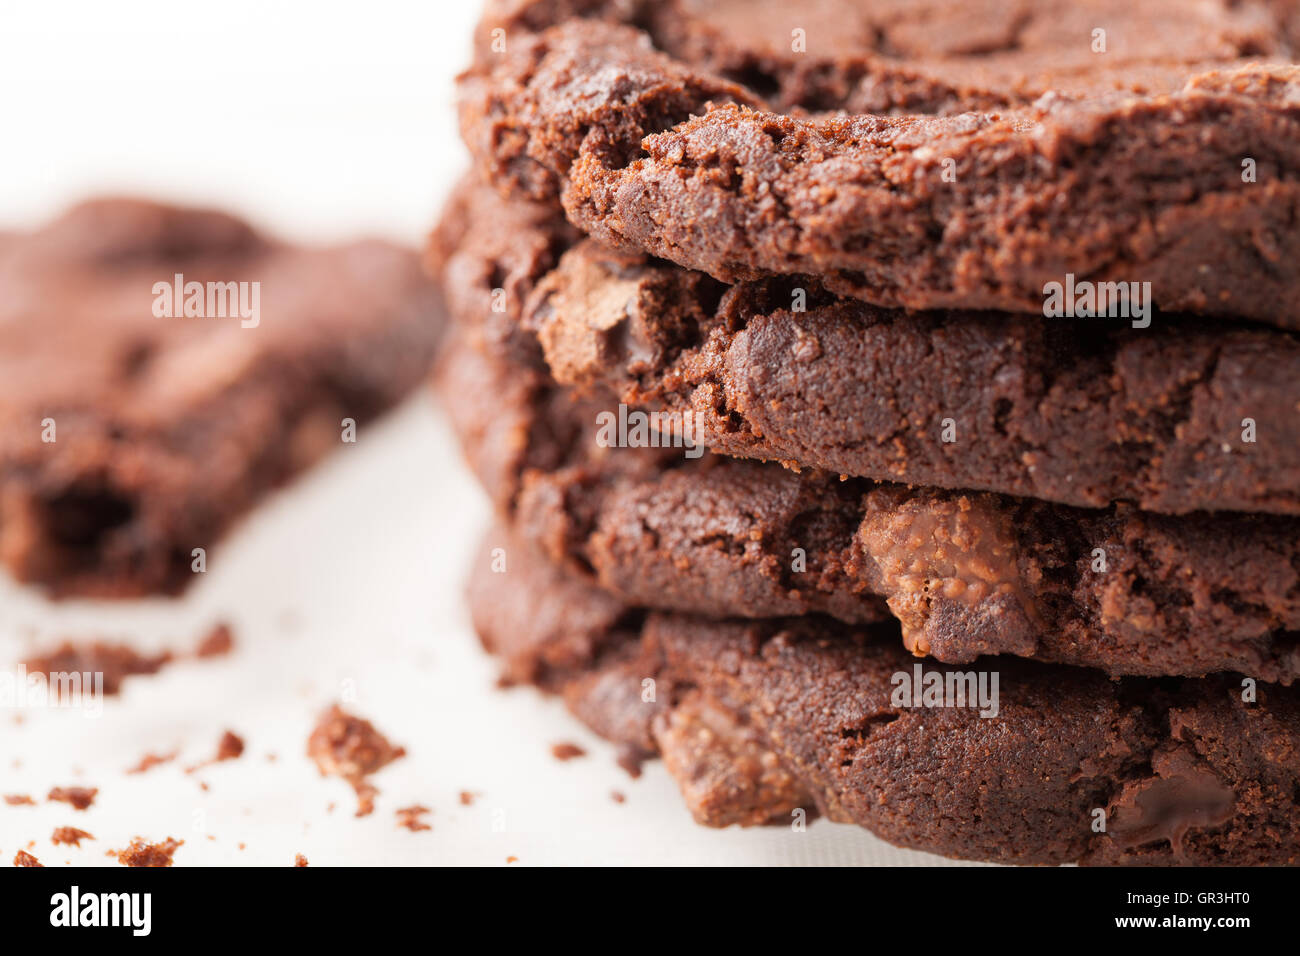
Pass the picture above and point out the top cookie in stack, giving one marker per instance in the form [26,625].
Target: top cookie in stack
[1153,143]
[1085,449]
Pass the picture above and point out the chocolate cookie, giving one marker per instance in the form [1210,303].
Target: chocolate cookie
[1010,761]
[1176,418]
[967,574]
[900,56]
[1181,201]
[164,368]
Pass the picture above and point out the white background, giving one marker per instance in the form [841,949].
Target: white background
[318,121]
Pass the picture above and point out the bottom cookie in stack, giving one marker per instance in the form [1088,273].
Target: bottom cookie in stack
[1003,759]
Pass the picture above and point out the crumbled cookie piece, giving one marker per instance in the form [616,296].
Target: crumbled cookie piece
[115,662]
[229,747]
[217,643]
[411,818]
[144,854]
[70,836]
[79,797]
[565,751]
[350,747]
[151,760]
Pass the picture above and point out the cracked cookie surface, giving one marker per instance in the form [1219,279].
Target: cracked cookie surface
[972,210]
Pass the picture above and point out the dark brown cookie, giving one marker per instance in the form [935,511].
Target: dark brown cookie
[133,430]
[1058,765]
[901,56]
[1078,412]
[968,574]
[1189,196]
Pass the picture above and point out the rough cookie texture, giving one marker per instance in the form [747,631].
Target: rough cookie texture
[1184,771]
[976,210]
[128,439]
[487,256]
[903,56]
[967,574]
[1078,411]
[529,116]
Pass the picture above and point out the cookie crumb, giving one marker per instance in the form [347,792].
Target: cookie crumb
[229,747]
[566,751]
[151,760]
[617,796]
[631,760]
[19,800]
[79,797]
[466,798]
[70,836]
[115,662]
[218,642]
[350,747]
[141,853]
[23,858]
[298,860]
[409,817]
[512,859]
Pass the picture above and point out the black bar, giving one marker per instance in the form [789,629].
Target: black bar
[329,904]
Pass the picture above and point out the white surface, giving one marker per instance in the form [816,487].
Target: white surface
[318,121]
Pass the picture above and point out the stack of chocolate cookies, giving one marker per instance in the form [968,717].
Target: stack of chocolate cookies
[893,410]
